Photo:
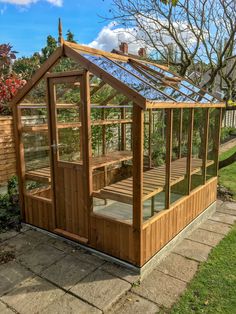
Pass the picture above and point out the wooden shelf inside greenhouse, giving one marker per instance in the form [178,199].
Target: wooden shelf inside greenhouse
[153,181]
[44,127]
[111,158]
[43,174]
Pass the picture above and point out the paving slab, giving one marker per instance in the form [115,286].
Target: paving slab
[4,309]
[32,296]
[230,205]
[41,257]
[160,288]
[121,272]
[134,304]
[20,244]
[193,250]
[68,271]
[69,304]
[206,237]
[215,226]
[37,235]
[7,235]
[12,274]
[85,256]
[227,208]
[179,267]
[225,218]
[60,244]
[101,289]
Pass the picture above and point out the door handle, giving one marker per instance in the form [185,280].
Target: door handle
[55,146]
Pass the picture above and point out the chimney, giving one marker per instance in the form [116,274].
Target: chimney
[142,52]
[124,48]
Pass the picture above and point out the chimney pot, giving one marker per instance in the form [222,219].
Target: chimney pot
[124,48]
[142,52]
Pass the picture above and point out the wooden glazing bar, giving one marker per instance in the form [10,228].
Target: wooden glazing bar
[138,117]
[115,56]
[218,123]
[190,148]
[169,136]
[65,74]
[175,105]
[87,146]
[20,162]
[53,139]
[109,98]
[150,137]
[205,145]
[138,138]
[180,135]
[97,88]
[123,131]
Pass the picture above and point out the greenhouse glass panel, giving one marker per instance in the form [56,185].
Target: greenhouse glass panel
[127,78]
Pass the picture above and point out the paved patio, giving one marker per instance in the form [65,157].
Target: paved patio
[48,275]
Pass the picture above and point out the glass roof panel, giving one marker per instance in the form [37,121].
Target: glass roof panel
[151,81]
[125,77]
[186,86]
[175,95]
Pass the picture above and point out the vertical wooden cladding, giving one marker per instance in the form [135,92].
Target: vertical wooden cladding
[71,212]
[114,238]
[159,230]
[39,212]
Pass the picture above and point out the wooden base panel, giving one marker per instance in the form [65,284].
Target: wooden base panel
[163,227]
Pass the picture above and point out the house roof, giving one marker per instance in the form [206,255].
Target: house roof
[149,85]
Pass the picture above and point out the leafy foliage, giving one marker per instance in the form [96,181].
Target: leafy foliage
[9,206]
[6,57]
[8,88]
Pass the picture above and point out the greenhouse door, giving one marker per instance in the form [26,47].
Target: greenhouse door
[66,132]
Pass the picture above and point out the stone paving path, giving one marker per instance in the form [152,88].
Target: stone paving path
[228,145]
[49,275]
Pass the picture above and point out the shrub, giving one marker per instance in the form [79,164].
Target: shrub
[9,207]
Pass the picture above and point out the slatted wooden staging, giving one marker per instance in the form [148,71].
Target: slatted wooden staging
[44,174]
[154,181]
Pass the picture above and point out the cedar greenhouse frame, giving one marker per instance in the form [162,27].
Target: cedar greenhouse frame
[63,201]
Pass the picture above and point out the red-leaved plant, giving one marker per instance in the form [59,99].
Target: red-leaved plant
[9,82]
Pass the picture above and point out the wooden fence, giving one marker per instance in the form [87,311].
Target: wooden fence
[229,119]
[7,150]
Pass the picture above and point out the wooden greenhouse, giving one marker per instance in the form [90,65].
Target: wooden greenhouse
[116,153]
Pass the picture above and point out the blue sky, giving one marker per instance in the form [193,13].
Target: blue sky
[25,24]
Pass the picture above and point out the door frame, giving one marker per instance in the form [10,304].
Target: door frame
[70,77]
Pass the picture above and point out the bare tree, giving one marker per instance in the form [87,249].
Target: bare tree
[202,32]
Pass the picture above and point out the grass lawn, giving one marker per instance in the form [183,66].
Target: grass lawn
[213,290]
[227,175]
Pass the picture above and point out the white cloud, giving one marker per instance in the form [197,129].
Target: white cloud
[111,36]
[57,3]
[28,2]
